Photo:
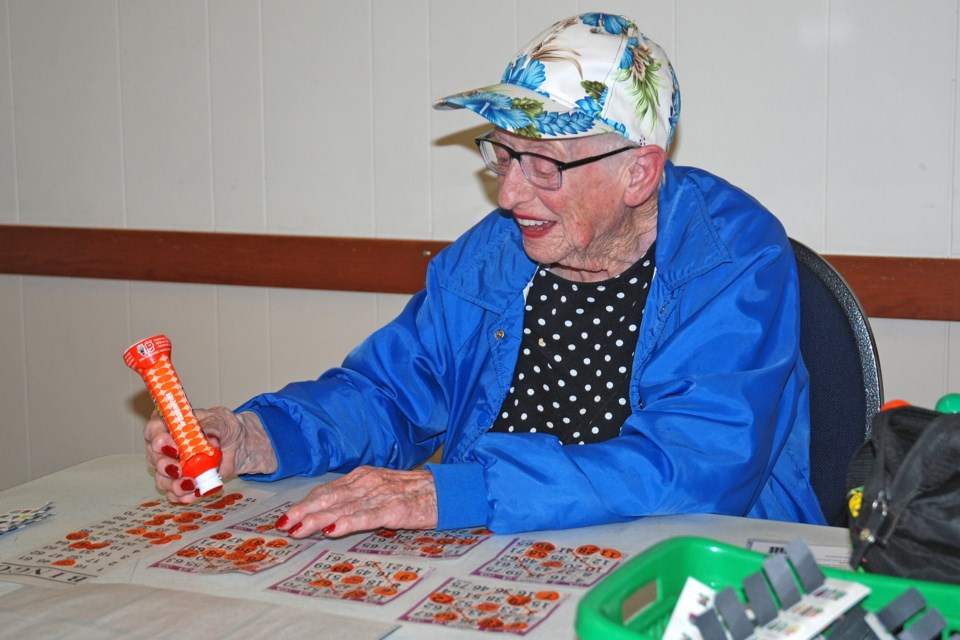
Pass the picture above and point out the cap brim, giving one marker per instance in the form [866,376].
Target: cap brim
[525,112]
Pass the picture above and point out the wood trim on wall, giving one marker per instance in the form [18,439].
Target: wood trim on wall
[888,287]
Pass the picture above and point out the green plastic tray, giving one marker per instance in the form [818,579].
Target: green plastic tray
[658,575]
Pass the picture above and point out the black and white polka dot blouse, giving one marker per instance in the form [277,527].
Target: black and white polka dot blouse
[573,373]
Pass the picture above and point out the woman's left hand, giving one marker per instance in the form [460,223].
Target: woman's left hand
[367,498]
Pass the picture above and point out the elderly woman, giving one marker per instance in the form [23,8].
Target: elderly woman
[619,338]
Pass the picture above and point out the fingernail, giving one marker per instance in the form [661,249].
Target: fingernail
[169,451]
[172,471]
[294,528]
[187,485]
[282,522]
[329,529]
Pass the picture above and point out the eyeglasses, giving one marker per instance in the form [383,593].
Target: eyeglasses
[541,171]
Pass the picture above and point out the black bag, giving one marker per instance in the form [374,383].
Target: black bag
[908,521]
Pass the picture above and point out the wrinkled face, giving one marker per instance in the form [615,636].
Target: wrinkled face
[584,224]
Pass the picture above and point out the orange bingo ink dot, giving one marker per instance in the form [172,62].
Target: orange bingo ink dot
[547,595]
[236,556]
[153,535]
[445,616]
[518,600]
[278,543]
[544,546]
[355,594]
[405,576]
[342,567]
[265,527]
[193,515]
[188,527]
[214,553]
[482,532]
[188,553]
[488,607]
[233,497]
[214,517]
[433,551]
[147,505]
[441,598]
[552,564]
[587,549]
[352,579]
[257,557]
[81,545]
[537,554]
[386,533]
[137,531]
[385,591]
[77,535]
[223,535]
[515,626]
[321,583]
[65,562]
[613,554]
[97,545]
[490,623]
[424,540]
[446,541]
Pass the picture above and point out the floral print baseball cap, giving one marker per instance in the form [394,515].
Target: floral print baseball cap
[590,74]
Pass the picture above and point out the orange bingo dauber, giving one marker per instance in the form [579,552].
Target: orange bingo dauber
[198,458]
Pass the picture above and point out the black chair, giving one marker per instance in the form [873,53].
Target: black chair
[846,388]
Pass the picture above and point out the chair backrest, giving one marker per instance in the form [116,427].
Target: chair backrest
[846,388]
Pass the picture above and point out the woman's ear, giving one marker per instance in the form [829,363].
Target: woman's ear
[644,172]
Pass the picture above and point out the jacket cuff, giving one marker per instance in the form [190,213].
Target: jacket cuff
[461,495]
[289,445]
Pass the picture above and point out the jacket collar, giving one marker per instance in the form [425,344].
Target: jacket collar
[688,245]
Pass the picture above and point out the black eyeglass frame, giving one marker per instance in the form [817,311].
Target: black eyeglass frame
[518,156]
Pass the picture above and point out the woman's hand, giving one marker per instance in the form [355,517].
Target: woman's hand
[240,437]
[366,498]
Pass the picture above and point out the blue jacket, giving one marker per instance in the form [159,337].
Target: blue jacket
[719,391]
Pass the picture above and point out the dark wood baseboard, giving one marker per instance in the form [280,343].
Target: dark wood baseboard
[888,287]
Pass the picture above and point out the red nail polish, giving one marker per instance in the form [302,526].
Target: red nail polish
[172,471]
[329,529]
[282,522]
[187,485]
[169,451]
[294,528]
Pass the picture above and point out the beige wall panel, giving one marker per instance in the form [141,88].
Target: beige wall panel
[892,113]
[401,119]
[767,137]
[67,108]
[8,159]
[236,115]
[166,114]
[14,429]
[914,359]
[317,117]
[78,389]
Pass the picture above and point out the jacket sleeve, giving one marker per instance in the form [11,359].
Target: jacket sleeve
[708,423]
[385,406]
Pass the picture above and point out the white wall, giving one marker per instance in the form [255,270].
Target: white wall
[313,117]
